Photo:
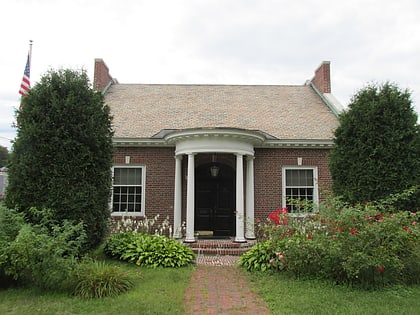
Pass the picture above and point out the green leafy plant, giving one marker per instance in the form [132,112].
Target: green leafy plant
[62,155]
[148,250]
[43,254]
[378,132]
[95,279]
[10,223]
[260,258]
[360,245]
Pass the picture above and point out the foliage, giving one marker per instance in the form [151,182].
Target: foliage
[10,224]
[407,199]
[98,279]
[144,225]
[377,145]
[260,257]
[148,250]
[62,155]
[4,155]
[361,245]
[43,254]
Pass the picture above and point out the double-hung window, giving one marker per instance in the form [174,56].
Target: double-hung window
[299,183]
[128,190]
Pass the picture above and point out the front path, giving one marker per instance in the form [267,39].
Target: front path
[221,289]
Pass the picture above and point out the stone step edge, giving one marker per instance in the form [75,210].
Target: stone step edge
[220,251]
[216,244]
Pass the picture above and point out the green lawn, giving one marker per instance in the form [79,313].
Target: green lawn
[157,291]
[161,291]
[285,295]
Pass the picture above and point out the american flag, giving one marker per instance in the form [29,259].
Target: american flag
[26,84]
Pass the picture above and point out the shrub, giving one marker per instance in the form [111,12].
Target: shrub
[98,279]
[10,224]
[348,244]
[117,244]
[62,155]
[262,257]
[148,250]
[43,254]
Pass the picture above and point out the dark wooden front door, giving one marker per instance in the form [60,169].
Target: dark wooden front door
[215,201]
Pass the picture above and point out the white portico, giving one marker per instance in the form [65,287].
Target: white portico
[240,143]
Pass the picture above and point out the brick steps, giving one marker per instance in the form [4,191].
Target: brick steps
[221,247]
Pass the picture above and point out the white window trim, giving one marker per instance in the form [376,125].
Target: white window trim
[315,173]
[143,192]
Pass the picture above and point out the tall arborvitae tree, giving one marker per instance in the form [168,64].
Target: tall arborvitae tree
[62,155]
[377,145]
[4,155]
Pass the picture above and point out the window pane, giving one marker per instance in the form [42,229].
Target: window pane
[127,176]
[117,176]
[299,177]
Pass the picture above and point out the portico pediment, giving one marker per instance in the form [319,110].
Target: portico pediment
[223,140]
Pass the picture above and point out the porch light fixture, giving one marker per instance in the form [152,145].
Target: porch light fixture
[214,171]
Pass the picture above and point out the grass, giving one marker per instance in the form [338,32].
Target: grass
[156,291]
[285,295]
[161,291]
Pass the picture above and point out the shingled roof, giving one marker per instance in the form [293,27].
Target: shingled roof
[292,112]
[284,112]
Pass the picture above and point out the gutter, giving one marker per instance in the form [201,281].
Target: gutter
[336,111]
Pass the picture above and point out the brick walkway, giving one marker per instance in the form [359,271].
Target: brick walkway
[221,289]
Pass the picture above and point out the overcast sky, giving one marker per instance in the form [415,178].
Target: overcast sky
[212,42]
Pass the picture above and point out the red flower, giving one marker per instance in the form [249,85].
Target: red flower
[310,236]
[275,216]
[353,231]
[413,223]
[380,269]
[406,229]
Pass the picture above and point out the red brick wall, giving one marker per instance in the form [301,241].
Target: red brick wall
[322,79]
[268,163]
[101,77]
[160,177]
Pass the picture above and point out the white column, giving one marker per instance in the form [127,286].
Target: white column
[239,199]
[189,238]
[249,222]
[178,197]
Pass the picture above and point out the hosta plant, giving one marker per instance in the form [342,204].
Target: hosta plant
[148,250]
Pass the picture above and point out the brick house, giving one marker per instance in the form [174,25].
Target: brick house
[218,157]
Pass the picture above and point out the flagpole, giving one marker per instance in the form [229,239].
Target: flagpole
[30,51]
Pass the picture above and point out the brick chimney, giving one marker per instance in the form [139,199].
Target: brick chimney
[321,80]
[101,77]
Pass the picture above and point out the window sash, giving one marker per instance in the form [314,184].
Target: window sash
[128,190]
